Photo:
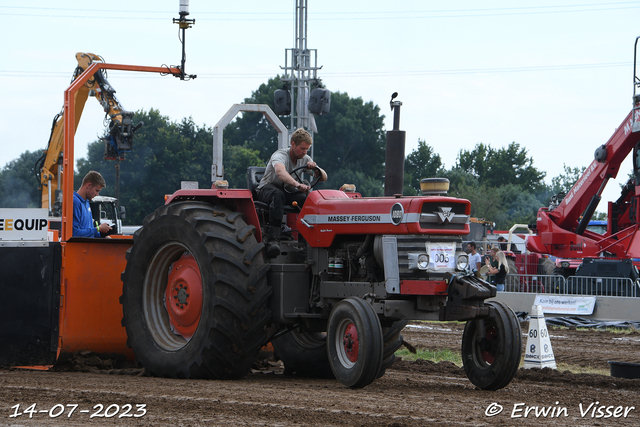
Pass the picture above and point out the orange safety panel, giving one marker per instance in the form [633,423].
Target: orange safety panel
[90,310]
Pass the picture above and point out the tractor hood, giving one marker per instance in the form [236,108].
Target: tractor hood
[329,213]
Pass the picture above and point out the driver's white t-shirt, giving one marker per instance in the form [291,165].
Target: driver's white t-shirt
[281,156]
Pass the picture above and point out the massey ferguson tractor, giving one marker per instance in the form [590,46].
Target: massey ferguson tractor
[201,298]
[193,294]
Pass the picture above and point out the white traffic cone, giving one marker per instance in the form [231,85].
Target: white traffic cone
[539,353]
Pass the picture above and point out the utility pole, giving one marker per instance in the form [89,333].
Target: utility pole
[300,73]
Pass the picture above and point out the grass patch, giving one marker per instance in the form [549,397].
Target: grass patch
[454,356]
[444,354]
[582,369]
[611,329]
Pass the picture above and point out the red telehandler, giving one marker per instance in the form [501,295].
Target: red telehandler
[561,228]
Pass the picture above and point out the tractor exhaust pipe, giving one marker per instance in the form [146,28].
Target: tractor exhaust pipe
[394,157]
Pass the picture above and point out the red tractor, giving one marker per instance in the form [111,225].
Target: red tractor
[200,297]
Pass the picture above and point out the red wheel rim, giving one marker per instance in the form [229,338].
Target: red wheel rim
[489,356]
[183,296]
[350,342]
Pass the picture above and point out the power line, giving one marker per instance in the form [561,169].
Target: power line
[350,74]
[342,15]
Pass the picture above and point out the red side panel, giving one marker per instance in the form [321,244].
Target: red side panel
[423,287]
[329,213]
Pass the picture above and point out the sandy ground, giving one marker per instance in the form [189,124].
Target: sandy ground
[410,394]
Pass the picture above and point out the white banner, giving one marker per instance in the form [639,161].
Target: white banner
[556,304]
[23,224]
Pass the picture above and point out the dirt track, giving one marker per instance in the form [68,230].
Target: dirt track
[410,394]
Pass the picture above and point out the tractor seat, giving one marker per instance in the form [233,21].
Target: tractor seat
[254,175]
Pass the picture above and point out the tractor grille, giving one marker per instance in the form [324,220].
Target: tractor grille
[443,216]
[417,244]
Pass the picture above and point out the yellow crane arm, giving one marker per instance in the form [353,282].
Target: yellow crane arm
[120,129]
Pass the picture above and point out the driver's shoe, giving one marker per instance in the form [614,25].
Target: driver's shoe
[273,242]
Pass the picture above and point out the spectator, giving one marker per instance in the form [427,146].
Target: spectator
[475,260]
[503,243]
[83,224]
[499,272]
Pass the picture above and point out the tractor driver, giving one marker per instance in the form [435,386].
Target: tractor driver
[83,225]
[271,191]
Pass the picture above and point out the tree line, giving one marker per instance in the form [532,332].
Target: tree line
[502,184]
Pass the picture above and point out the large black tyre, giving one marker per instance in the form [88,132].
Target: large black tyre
[491,361]
[303,353]
[354,342]
[231,311]
[392,340]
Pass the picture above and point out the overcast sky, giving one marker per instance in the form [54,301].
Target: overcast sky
[555,77]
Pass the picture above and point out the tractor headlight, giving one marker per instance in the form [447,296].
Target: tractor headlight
[418,261]
[564,264]
[462,262]
[423,261]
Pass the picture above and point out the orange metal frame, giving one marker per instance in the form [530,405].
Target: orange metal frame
[70,130]
[90,311]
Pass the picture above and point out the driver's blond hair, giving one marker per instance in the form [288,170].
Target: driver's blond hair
[301,135]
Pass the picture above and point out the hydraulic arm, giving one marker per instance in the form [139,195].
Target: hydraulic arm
[119,140]
[561,227]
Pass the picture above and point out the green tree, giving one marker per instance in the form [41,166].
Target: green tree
[19,186]
[237,158]
[164,154]
[350,137]
[505,205]
[252,130]
[497,167]
[564,182]
[365,185]
[421,163]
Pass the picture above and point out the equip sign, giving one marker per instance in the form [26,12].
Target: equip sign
[23,225]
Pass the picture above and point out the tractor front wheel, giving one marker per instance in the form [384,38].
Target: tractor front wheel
[354,342]
[492,347]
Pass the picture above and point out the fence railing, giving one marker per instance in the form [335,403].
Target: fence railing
[573,285]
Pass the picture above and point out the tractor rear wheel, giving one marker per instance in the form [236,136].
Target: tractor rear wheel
[491,355]
[195,293]
[354,342]
[303,353]
[392,339]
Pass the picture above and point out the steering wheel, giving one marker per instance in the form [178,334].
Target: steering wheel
[296,175]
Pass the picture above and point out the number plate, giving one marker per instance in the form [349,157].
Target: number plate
[441,256]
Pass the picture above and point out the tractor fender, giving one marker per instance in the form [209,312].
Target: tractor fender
[237,200]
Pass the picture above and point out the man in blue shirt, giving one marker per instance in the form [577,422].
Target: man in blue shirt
[83,225]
